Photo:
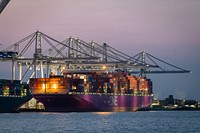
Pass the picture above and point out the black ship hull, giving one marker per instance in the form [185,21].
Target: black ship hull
[10,104]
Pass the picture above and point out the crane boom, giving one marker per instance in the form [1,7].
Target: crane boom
[3,4]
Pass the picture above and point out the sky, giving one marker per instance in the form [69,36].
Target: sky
[169,30]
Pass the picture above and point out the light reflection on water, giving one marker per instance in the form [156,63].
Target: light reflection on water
[169,121]
[104,113]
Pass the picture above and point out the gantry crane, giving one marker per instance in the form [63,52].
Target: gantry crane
[77,54]
[39,51]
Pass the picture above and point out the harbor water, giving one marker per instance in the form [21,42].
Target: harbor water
[98,122]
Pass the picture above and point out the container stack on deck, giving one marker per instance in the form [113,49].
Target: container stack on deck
[12,87]
[93,82]
[50,85]
[111,82]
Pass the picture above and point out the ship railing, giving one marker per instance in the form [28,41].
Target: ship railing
[10,96]
[117,94]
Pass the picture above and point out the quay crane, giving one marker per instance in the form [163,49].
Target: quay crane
[39,52]
[76,54]
[80,54]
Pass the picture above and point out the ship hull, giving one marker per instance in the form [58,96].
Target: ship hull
[92,102]
[10,104]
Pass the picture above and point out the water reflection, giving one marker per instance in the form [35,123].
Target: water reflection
[104,113]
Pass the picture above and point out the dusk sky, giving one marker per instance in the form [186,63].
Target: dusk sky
[168,29]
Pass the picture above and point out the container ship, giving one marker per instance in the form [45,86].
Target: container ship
[13,95]
[84,91]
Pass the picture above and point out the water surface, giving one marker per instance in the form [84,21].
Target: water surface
[163,121]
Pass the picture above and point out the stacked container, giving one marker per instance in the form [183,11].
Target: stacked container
[94,82]
[50,85]
[10,87]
